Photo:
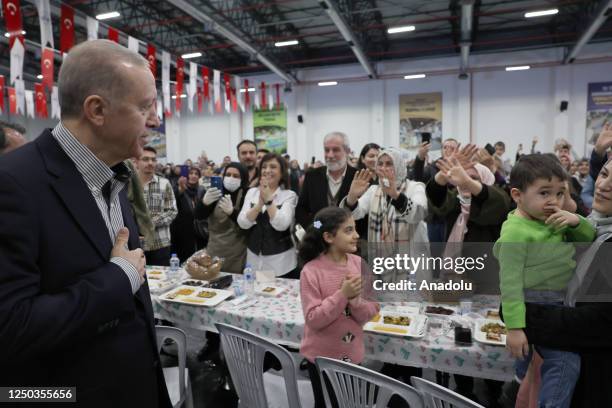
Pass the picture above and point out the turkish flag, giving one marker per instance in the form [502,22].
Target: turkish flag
[264,100]
[277,86]
[12,95]
[200,100]
[234,100]
[152,59]
[66,28]
[41,101]
[12,19]
[113,35]
[228,89]
[180,76]
[206,81]
[247,97]
[2,93]
[46,67]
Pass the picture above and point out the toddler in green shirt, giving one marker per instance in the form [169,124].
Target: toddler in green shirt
[536,264]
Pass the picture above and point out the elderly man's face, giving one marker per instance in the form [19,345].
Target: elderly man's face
[130,117]
[335,154]
[602,199]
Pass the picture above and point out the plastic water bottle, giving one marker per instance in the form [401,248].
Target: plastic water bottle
[249,280]
[175,264]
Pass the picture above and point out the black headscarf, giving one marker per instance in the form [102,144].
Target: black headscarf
[244,182]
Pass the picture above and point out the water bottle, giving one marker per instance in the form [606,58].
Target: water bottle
[174,266]
[249,280]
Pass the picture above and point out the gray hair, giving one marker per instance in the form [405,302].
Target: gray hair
[93,68]
[343,136]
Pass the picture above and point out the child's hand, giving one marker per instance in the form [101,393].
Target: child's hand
[516,342]
[561,218]
[351,287]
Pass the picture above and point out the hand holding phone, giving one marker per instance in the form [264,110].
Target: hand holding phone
[217,181]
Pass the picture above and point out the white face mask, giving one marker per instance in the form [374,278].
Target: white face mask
[231,184]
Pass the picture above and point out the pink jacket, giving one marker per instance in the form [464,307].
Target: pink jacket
[324,311]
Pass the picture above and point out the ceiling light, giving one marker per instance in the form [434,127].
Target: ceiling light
[182,96]
[191,55]
[106,16]
[415,76]
[328,83]
[249,90]
[518,68]
[8,35]
[39,76]
[402,29]
[541,13]
[286,43]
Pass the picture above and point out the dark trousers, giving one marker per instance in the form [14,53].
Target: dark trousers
[158,257]
[317,388]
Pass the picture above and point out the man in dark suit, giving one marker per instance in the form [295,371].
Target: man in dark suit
[75,308]
[326,185]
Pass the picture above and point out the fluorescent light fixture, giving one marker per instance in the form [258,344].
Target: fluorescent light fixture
[182,96]
[247,90]
[402,29]
[39,76]
[106,16]
[518,68]
[541,13]
[8,35]
[415,76]
[328,83]
[286,43]
[191,55]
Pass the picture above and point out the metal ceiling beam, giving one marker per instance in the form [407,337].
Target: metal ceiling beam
[349,36]
[233,35]
[467,19]
[600,17]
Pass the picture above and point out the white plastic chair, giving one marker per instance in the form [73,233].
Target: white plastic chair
[437,396]
[177,378]
[356,386]
[244,354]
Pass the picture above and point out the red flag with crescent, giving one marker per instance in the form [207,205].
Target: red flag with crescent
[200,100]
[12,19]
[66,28]
[12,96]
[206,81]
[180,76]
[151,51]
[2,93]
[228,90]
[46,67]
[264,100]
[247,97]
[113,35]
[41,101]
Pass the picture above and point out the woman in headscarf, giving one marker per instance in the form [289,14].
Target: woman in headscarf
[221,208]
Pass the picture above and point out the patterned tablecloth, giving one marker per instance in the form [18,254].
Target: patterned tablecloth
[280,319]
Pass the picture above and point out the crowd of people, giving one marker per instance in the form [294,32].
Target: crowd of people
[74,203]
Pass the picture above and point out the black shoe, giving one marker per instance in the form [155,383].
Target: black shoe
[208,353]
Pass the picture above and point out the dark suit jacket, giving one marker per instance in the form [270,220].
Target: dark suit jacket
[313,196]
[67,315]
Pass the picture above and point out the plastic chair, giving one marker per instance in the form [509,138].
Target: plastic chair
[356,386]
[244,353]
[436,395]
[177,378]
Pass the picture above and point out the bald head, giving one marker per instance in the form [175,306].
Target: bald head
[98,67]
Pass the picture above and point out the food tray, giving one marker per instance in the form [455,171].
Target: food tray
[416,328]
[264,289]
[454,310]
[481,336]
[191,296]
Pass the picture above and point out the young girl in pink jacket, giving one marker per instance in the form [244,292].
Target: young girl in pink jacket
[330,288]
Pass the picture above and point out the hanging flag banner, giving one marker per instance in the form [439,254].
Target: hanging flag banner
[152,59]
[46,67]
[160,109]
[206,82]
[67,28]
[238,92]
[166,80]
[270,130]
[12,96]
[226,82]
[216,90]
[270,99]
[92,29]
[247,94]
[2,93]
[180,76]
[133,44]
[41,101]
[12,21]
[20,91]
[29,98]
[257,101]
[200,100]
[278,104]
[55,106]
[264,101]
[193,84]
[113,35]
[420,113]
[234,101]
[17,54]
[44,19]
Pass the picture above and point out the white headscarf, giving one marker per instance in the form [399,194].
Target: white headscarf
[400,163]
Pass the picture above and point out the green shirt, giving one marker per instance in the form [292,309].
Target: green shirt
[532,255]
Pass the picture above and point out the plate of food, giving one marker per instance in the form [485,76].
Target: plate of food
[194,282]
[440,310]
[156,274]
[265,289]
[398,324]
[490,331]
[492,314]
[193,295]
